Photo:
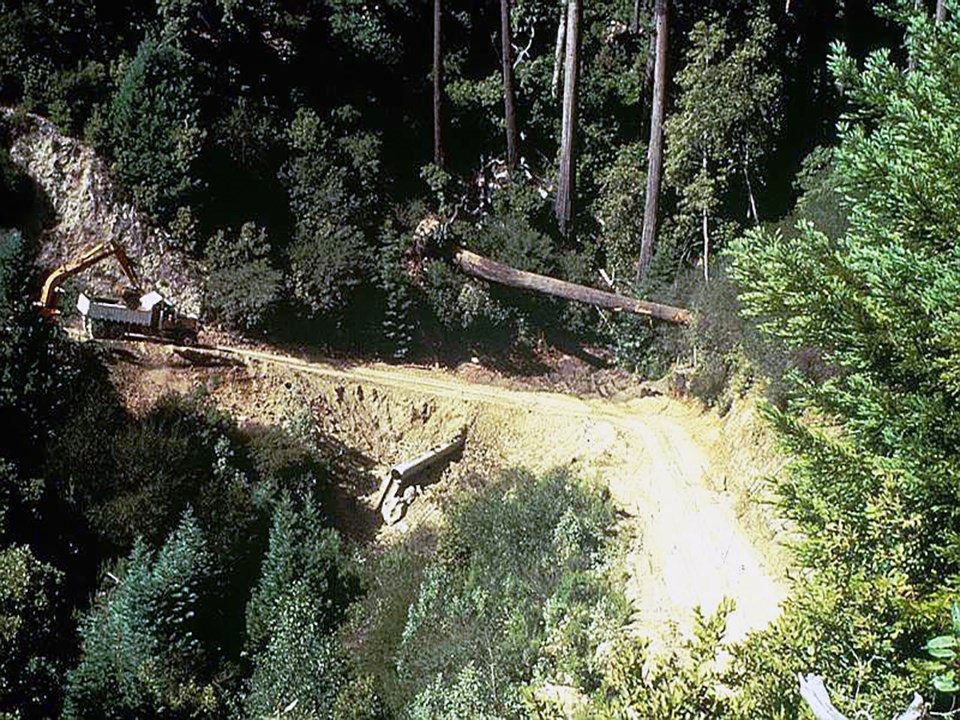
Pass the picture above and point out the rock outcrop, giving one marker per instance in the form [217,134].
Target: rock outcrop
[88,210]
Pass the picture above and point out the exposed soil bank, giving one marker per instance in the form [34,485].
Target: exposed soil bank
[687,491]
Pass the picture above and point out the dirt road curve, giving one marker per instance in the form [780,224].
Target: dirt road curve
[655,455]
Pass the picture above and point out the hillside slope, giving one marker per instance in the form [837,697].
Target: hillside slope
[88,209]
[665,463]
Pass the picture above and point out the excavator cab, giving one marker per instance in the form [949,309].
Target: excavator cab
[131,297]
[135,313]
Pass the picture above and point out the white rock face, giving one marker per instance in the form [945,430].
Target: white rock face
[88,211]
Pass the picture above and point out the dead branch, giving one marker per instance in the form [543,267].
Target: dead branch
[814,693]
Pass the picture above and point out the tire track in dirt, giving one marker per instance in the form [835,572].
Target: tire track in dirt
[694,547]
[652,453]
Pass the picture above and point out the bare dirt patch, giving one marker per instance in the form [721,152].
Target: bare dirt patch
[669,467]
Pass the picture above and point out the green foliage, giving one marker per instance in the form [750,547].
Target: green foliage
[57,56]
[484,95]
[72,94]
[286,460]
[611,91]
[39,372]
[509,237]
[41,375]
[142,644]
[943,651]
[365,28]
[333,182]
[243,286]
[619,210]
[517,589]
[873,486]
[301,670]
[358,700]
[145,473]
[240,97]
[685,684]
[14,275]
[820,200]
[250,131]
[462,698]
[376,622]
[725,118]
[22,208]
[30,666]
[706,358]
[482,312]
[398,320]
[298,666]
[151,128]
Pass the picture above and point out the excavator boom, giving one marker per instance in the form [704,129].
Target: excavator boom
[90,257]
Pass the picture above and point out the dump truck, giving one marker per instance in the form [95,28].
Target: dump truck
[143,314]
[107,318]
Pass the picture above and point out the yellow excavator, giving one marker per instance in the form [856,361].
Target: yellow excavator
[51,286]
[150,315]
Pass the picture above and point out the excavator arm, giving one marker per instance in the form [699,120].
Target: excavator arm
[48,295]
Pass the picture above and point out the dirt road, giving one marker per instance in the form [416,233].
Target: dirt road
[655,455]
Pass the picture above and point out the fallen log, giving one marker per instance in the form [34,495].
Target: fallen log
[493,271]
[397,491]
[402,472]
[208,357]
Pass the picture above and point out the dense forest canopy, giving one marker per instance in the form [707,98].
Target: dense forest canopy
[310,124]
[793,168]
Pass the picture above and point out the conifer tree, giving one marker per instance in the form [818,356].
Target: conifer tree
[152,128]
[874,313]
[142,652]
[297,604]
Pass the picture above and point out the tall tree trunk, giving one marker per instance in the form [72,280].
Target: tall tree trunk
[635,18]
[655,149]
[558,53]
[941,11]
[437,86]
[751,198]
[706,247]
[647,90]
[566,184]
[706,231]
[509,112]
